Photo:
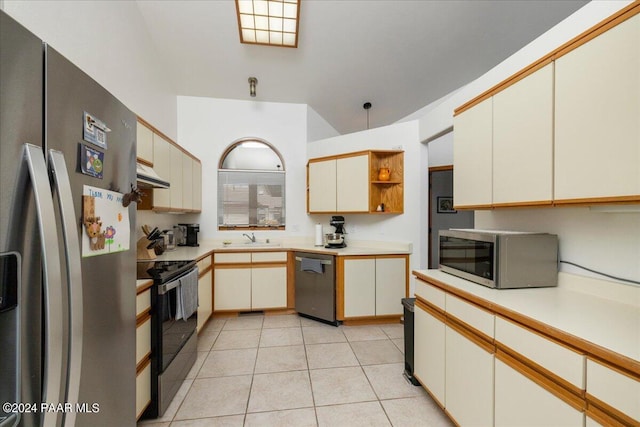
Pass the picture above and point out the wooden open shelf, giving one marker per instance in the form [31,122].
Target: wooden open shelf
[391,192]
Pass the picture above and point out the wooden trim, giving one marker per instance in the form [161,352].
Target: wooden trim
[372,320]
[430,309]
[472,207]
[200,258]
[540,369]
[143,363]
[614,368]
[607,418]
[291,280]
[143,287]
[441,168]
[232,265]
[598,200]
[339,288]
[623,363]
[269,264]
[143,317]
[144,162]
[598,29]
[206,270]
[472,334]
[561,393]
[527,204]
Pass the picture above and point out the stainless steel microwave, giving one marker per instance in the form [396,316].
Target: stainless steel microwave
[500,259]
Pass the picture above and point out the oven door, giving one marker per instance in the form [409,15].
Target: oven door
[174,333]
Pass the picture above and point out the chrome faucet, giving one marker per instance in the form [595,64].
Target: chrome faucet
[252,237]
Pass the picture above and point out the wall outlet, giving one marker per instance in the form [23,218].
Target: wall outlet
[397,147]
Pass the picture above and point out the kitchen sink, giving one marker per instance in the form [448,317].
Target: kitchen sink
[252,245]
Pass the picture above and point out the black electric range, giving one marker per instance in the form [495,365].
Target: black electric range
[162,271]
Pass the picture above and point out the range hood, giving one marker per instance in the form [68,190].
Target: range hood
[148,178]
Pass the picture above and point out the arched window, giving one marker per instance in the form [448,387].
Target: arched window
[251,189]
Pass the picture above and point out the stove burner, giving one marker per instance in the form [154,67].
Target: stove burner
[162,271]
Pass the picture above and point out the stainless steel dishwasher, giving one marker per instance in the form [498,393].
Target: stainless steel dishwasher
[316,286]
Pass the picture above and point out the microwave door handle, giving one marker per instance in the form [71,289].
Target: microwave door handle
[52,282]
[62,186]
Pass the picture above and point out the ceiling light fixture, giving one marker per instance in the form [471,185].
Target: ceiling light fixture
[367,107]
[252,86]
[269,22]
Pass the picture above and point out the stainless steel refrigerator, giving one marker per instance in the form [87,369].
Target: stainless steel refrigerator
[67,315]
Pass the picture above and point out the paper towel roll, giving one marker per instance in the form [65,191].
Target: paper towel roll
[319,235]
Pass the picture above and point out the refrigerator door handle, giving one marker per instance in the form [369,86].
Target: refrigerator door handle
[62,186]
[54,370]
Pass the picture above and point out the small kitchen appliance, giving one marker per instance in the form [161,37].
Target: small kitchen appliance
[335,240]
[190,234]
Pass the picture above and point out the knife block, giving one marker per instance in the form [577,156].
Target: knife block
[143,252]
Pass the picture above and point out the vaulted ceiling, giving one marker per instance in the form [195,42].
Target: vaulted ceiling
[400,55]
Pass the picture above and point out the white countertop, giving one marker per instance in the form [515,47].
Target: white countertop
[304,245]
[604,313]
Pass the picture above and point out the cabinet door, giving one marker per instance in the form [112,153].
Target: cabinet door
[205,297]
[359,287]
[232,290]
[597,136]
[187,182]
[143,390]
[143,340]
[469,380]
[391,274]
[197,186]
[144,143]
[429,352]
[322,186]
[523,140]
[162,166]
[472,158]
[521,402]
[176,177]
[352,178]
[268,287]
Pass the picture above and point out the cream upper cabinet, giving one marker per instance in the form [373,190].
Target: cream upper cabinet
[472,158]
[322,186]
[359,287]
[523,140]
[144,143]
[197,186]
[187,182]
[176,177]
[352,179]
[162,165]
[520,401]
[597,116]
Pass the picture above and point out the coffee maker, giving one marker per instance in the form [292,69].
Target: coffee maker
[336,240]
[190,236]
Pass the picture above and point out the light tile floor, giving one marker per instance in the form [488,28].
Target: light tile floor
[257,370]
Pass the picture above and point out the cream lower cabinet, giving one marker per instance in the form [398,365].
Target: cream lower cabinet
[519,401]
[429,351]
[250,281]
[143,351]
[374,286]
[468,380]
[205,291]
[610,390]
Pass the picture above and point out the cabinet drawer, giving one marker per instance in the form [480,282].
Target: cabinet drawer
[430,293]
[143,389]
[204,263]
[143,301]
[473,316]
[558,359]
[143,340]
[269,257]
[613,388]
[231,258]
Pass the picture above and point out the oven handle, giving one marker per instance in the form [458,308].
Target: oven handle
[166,287]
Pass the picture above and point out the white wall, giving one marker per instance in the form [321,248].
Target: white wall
[108,41]
[609,242]
[408,227]
[318,127]
[207,126]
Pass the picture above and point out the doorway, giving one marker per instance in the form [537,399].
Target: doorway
[442,216]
